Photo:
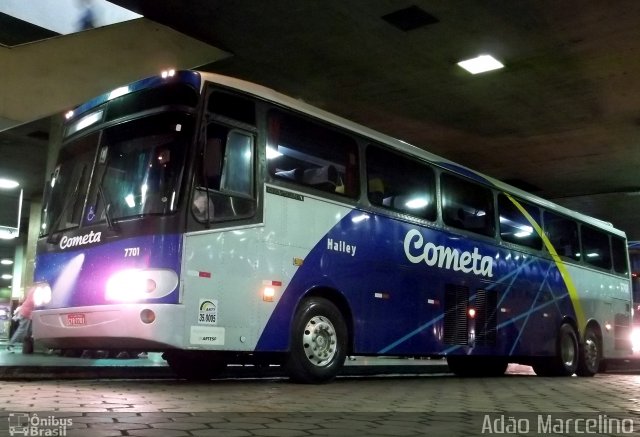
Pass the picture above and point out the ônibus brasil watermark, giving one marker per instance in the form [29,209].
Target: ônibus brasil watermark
[559,424]
[26,424]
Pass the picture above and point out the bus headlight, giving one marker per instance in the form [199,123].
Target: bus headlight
[42,294]
[635,339]
[135,284]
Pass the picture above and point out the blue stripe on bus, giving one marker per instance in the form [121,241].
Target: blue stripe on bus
[406,323]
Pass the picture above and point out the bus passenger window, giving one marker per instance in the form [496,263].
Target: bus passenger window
[467,205]
[514,225]
[400,184]
[619,254]
[306,153]
[563,235]
[595,245]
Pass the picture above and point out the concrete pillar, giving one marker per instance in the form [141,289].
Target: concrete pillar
[32,239]
[17,283]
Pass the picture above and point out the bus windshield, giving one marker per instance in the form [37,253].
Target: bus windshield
[138,169]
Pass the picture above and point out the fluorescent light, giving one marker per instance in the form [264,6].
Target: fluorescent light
[272,153]
[6,234]
[130,200]
[6,262]
[8,183]
[417,203]
[481,64]
[7,276]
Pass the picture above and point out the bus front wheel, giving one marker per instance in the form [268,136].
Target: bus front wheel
[318,342]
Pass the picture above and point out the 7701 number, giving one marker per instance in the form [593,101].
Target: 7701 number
[131,251]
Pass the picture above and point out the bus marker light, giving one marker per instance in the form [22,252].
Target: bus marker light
[607,326]
[168,73]
[147,316]
[472,313]
[268,293]
[151,285]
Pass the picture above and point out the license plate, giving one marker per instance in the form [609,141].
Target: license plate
[75,319]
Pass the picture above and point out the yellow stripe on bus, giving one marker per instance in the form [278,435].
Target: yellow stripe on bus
[566,277]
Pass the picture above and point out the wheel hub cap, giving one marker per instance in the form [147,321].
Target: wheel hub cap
[319,341]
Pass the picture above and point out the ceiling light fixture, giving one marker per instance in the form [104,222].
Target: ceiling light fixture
[6,262]
[8,183]
[480,64]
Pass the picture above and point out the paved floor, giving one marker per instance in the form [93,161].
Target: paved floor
[56,395]
[417,405]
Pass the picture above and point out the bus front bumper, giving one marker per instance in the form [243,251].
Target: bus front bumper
[125,326]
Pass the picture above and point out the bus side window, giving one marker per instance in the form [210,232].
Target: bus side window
[619,254]
[237,169]
[400,184]
[563,235]
[595,245]
[307,153]
[467,205]
[514,225]
[224,188]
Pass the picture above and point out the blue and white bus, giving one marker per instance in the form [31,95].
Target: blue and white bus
[221,222]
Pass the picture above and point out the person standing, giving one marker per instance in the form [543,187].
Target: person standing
[23,332]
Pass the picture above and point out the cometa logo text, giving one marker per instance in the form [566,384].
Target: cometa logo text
[80,240]
[416,251]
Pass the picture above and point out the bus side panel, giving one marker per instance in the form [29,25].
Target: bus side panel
[398,305]
[229,269]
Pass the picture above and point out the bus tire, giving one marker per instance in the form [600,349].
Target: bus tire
[590,353]
[318,342]
[565,361]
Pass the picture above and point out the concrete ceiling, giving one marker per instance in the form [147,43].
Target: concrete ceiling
[562,119]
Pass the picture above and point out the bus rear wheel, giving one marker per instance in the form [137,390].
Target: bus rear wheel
[565,361]
[590,354]
[318,342]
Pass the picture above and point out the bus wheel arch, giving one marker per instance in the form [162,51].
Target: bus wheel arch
[319,340]
[590,358]
[338,299]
